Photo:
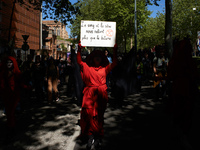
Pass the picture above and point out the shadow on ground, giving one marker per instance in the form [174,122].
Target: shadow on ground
[139,124]
[41,126]
[142,123]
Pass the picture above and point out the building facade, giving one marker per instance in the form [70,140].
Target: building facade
[49,40]
[55,39]
[24,20]
[58,27]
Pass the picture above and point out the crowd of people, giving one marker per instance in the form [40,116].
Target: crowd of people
[44,75]
[91,78]
[21,81]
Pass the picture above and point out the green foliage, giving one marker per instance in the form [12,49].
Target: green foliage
[120,11]
[186,21]
[63,47]
[59,38]
[151,2]
[153,32]
[65,11]
[62,10]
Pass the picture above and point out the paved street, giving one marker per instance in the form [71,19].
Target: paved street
[141,123]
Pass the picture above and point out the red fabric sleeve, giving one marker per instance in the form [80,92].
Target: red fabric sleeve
[79,60]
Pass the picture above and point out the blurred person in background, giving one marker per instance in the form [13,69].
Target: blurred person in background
[160,63]
[27,76]
[52,80]
[147,67]
[11,83]
[38,74]
[140,71]
[108,78]
[62,71]
[198,45]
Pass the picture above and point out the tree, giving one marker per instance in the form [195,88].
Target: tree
[186,21]
[153,32]
[63,47]
[120,11]
[62,10]
[150,2]
[168,27]
[168,24]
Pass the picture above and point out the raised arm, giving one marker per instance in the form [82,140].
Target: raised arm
[114,63]
[79,60]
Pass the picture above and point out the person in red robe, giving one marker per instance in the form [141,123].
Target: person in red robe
[182,70]
[10,85]
[95,96]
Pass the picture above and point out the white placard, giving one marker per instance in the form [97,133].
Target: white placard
[98,33]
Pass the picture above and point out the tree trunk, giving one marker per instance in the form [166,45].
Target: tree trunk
[125,44]
[168,27]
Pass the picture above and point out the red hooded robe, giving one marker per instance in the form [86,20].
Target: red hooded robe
[95,94]
[10,89]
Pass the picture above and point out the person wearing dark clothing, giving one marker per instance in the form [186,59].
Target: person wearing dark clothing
[108,78]
[27,76]
[147,67]
[19,61]
[139,66]
[44,62]
[38,73]
[124,77]
[71,79]
[79,85]
[182,71]
[198,45]
[62,69]
[26,70]
[160,64]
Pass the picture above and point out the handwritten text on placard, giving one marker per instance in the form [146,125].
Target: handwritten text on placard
[98,33]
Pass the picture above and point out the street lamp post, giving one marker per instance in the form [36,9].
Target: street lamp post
[135,25]
[25,45]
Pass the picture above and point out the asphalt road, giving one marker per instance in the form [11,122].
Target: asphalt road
[141,123]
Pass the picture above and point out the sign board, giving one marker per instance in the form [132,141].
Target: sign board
[98,33]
